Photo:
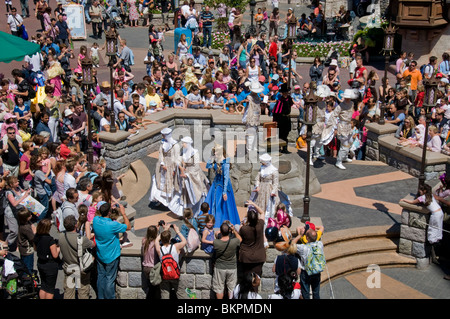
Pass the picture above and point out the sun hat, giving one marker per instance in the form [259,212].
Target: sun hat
[274,88]
[348,94]
[256,87]
[275,77]
[68,112]
[105,84]
[218,90]
[323,91]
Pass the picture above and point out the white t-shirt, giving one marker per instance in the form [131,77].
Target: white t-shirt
[14,21]
[94,52]
[69,182]
[251,295]
[352,67]
[295,295]
[34,61]
[104,122]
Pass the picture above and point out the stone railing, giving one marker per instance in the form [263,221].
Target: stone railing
[120,150]
[413,232]
[195,270]
[382,145]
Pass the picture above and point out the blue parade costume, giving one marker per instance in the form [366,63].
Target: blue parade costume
[221,209]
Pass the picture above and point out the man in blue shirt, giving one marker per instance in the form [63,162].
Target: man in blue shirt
[108,248]
[49,44]
[43,126]
[199,57]
[64,31]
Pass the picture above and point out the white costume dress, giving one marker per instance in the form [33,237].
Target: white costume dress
[165,182]
[194,187]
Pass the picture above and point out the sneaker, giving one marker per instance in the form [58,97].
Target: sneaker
[347,160]
[340,166]
[126,244]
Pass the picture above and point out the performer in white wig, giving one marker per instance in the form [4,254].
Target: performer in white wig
[194,184]
[266,193]
[323,91]
[343,113]
[251,115]
[165,180]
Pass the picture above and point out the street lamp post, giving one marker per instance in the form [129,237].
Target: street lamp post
[252,29]
[88,82]
[388,49]
[309,120]
[291,36]
[431,88]
[111,52]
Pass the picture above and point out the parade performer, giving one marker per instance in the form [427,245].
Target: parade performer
[193,182]
[251,116]
[165,180]
[221,196]
[266,193]
[343,113]
[323,91]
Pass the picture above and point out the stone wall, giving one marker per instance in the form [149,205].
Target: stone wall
[413,233]
[382,145]
[374,132]
[195,271]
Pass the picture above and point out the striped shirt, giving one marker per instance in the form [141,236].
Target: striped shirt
[207,16]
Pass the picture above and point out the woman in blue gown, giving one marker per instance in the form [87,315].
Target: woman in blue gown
[221,196]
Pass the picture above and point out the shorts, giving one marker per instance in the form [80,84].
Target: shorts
[222,277]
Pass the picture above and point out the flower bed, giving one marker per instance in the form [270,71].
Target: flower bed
[321,49]
[218,39]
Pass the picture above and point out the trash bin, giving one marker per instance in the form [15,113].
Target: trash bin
[177,35]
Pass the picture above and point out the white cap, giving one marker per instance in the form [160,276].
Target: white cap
[265,158]
[166,131]
[187,139]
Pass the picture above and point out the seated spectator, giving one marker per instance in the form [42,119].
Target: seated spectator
[434,144]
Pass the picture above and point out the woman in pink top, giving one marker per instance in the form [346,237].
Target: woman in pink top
[435,143]
[24,166]
[150,258]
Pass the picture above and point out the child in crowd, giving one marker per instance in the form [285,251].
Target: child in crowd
[83,225]
[124,241]
[179,101]
[25,238]
[97,201]
[204,208]
[189,222]
[94,55]
[356,139]
[194,99]
[208,235]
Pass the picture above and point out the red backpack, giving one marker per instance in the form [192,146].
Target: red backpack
[169,267]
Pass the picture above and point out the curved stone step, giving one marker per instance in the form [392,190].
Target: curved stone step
[348,264]
[359,246]
[136,182]
[387,231]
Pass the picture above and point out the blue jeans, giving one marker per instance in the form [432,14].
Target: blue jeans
[44,200]
[207,31]
[28,261]
[107,274]
[307,281]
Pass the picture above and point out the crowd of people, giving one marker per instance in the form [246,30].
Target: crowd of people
[44,146]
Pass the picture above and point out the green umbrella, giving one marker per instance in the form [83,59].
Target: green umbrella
[15,48]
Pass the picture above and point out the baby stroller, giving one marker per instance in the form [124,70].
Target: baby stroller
[113,14]
[17,282]
[332,55]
